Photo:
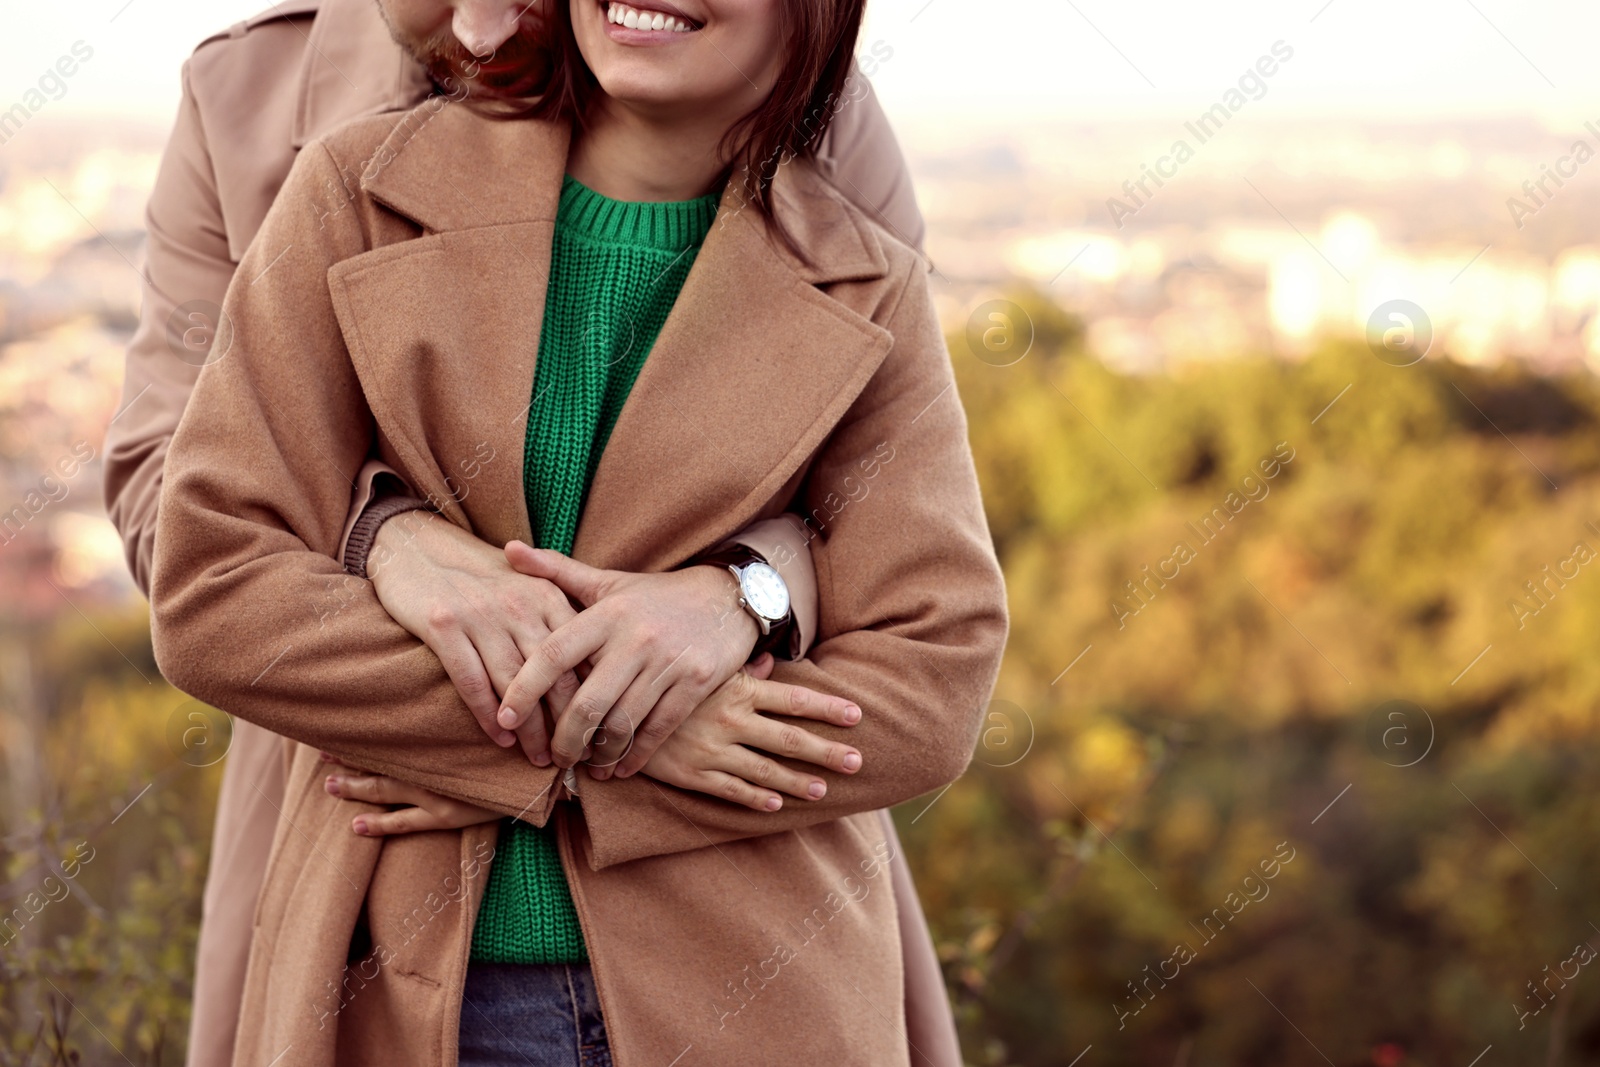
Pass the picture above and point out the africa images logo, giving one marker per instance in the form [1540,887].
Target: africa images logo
[1399,332]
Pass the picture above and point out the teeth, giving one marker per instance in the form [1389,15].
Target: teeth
[635,19]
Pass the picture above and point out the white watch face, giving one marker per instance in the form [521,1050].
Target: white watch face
[764,591]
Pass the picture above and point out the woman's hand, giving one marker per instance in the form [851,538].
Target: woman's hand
[720,749]
[481,618]
[658,645]
[420,810]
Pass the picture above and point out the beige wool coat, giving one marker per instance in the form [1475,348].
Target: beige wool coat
[390,308]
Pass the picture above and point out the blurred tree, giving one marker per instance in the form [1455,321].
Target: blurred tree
[1223,705]
[105,863]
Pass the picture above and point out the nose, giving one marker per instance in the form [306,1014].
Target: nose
[484,25]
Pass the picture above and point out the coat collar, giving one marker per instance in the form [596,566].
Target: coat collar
[755,366]
[519,180]
[351,67]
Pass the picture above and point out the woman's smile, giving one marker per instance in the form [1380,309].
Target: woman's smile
[657,24]
[644,73]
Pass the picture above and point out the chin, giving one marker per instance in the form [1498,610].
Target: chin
[651,89]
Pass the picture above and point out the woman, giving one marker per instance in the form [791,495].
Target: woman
[798,361]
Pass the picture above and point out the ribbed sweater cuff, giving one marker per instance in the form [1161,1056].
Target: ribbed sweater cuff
[365,530]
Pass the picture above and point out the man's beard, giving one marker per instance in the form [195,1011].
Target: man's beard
[517,69]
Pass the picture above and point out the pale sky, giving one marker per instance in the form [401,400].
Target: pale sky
[1006,61]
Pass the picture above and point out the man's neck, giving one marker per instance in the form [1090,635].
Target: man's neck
[627,155]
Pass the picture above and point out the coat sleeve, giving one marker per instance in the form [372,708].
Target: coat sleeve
[186,263]
[186,274]
[251,610]
[912,618]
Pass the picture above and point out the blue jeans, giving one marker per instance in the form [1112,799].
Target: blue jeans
[532,1015]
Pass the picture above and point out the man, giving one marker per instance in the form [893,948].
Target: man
[252,97]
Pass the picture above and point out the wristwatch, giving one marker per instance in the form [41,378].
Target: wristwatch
[763,594]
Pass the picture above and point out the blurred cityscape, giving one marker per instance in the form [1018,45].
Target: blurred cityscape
[71,242]
[1270,238]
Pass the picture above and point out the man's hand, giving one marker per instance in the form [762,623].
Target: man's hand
[658,645]
[478,615]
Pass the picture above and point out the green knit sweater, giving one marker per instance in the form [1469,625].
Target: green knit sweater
[615,271]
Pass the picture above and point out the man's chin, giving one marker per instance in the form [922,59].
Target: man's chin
[518,68]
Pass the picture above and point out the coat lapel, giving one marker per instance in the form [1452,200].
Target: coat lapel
[752,370]
[443,329]
[754,367]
